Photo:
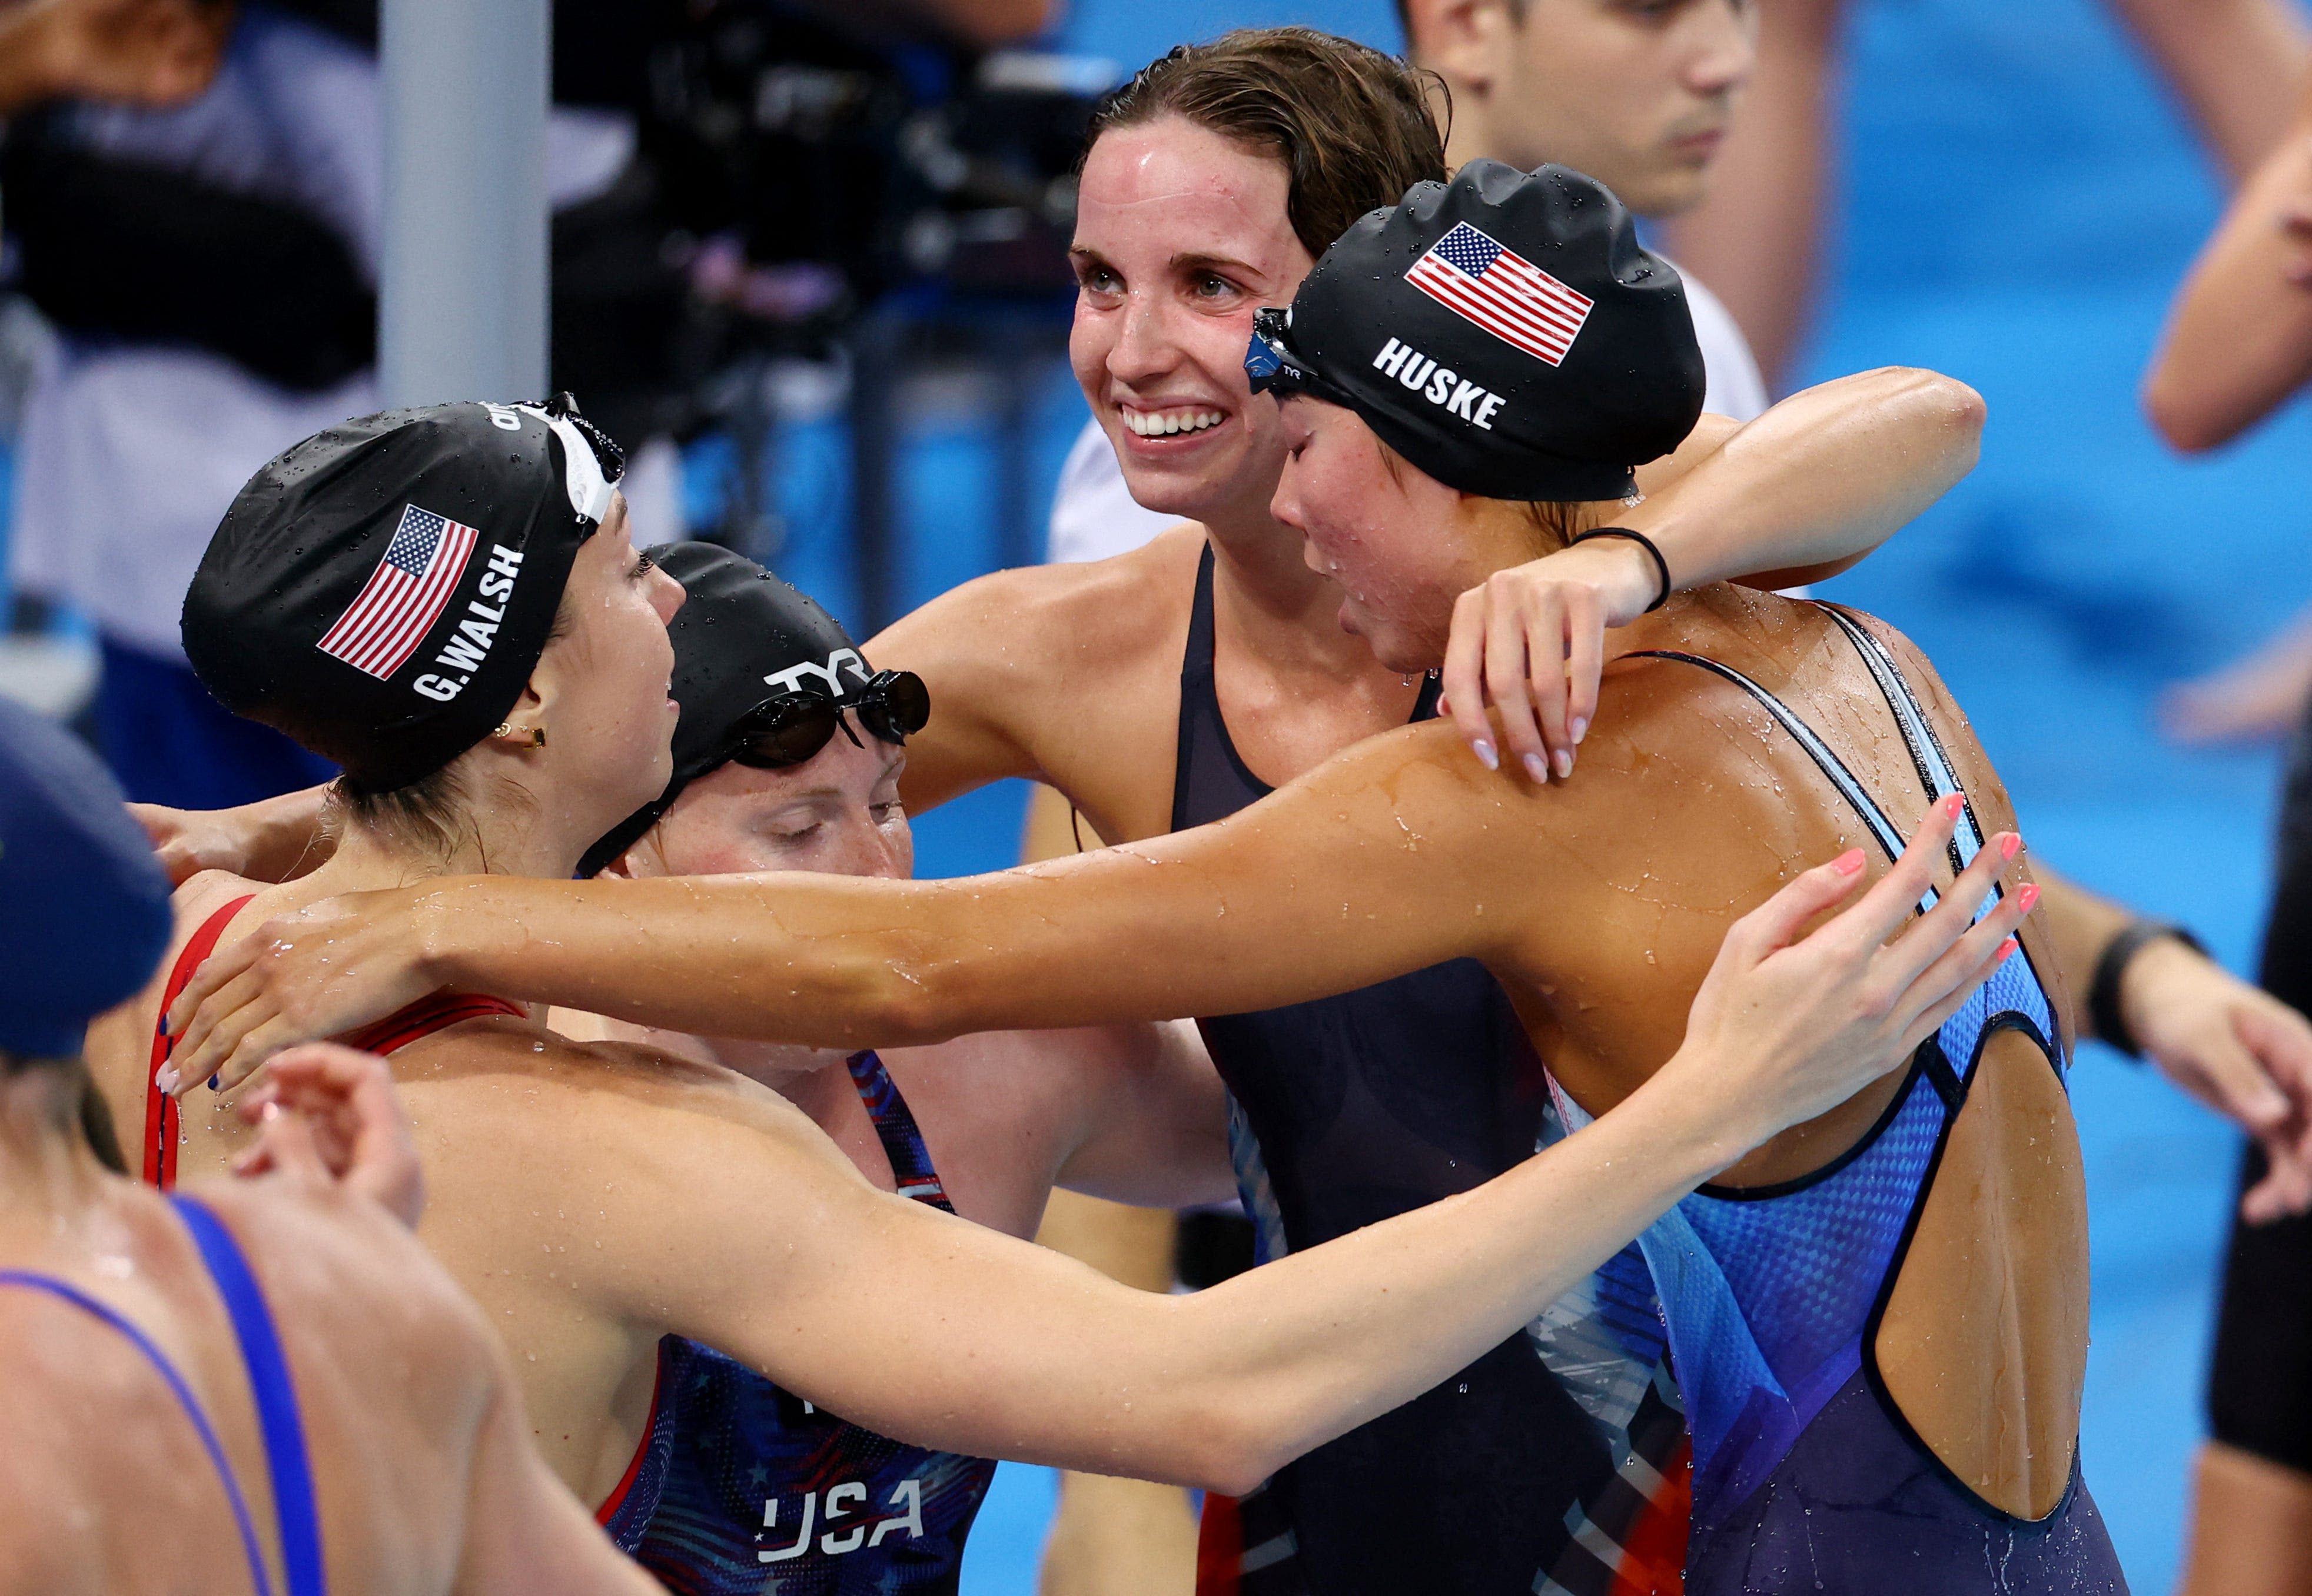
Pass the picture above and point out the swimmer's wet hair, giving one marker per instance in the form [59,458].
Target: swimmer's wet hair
[1354,127]
[87,1111]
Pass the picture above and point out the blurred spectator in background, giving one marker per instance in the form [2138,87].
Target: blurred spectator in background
[1638,97]
[2238,344]
[193,194]
[2238,67]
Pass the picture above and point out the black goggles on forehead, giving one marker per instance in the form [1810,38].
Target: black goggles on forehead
[793,727]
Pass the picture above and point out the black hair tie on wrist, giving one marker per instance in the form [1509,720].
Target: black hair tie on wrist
[2111,969]
[1661,566]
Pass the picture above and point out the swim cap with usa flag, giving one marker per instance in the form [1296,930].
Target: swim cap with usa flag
[381,591]
[1505,333]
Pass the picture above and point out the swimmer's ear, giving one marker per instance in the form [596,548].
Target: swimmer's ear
[1462,39]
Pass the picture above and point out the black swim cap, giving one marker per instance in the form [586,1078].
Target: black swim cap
[1504,332]
[381,592]
[740,637]
[87,905]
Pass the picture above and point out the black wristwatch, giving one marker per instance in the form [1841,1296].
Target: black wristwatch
[2111,969]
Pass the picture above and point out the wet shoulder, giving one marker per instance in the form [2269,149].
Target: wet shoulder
[1074,618]
[394,1366]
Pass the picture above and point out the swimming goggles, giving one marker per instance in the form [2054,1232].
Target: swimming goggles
[793,727]
[1270,366]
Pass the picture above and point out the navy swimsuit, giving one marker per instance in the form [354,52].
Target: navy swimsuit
[1542,1464]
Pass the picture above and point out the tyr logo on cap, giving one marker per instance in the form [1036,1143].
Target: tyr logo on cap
[791,678]
[1469,274]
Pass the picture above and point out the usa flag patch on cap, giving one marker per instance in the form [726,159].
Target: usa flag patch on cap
[404,595]
[1472,276]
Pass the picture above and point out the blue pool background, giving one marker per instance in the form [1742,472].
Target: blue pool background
[2017,199]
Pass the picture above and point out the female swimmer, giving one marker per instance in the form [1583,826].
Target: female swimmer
[597,1196]
[1881,1367]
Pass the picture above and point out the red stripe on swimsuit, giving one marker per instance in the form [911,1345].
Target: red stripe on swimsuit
[395,1031]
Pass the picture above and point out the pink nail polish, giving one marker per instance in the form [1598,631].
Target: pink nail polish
[1849,862]
[2028,895]
[1952,805]
[2010,846]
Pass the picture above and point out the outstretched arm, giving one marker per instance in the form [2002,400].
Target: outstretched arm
[2240,335]
[1797,495]
[1397,855]
[1015,1351]
[2239,1051]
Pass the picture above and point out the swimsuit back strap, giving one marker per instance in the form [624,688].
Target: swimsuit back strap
[428,1014]
[896,1128]
[1936,773]
[275,1396]
[160,1108]
[1883,830]
[106,1315]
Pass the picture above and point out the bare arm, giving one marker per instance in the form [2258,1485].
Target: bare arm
[1797,495]
[525,1532]
[275,839]
[133,52]
[1156,1118]
[2239,1051]
[1015,1351]
[2240,335]
[990,651]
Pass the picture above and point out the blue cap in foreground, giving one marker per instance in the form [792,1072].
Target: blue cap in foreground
[84,904]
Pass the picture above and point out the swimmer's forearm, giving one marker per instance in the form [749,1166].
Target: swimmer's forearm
[1042,1361]
[2081,925]
[2238,339]
[1400,1306]
[1817,482]
[1246,914]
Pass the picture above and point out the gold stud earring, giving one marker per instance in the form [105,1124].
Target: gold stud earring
[537,734]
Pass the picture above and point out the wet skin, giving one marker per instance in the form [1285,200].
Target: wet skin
[593,1197]
[1599,903]
[1131,1112]
[424,1479]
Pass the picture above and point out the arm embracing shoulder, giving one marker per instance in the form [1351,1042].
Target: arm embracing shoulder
[1814,484]
[1392,856]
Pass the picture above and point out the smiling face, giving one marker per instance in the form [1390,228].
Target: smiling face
[1401,544]
[1181,235]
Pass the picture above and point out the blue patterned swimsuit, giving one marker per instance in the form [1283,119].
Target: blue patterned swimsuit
[740,1487]
[1806,1475]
